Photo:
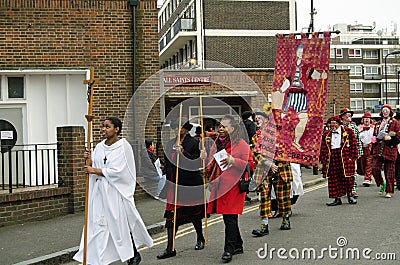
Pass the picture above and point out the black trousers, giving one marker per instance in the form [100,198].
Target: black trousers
[233,240]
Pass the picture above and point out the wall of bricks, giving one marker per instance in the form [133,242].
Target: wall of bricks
[33,205]
[242,51]
[253,15]
[78,34]
[81,34]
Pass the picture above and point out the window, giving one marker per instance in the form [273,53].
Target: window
[16,87]
[371,54]
[355,70]
[354,53]
[391,69]
[339,53]
[371,88]
[392,103]
[391,87]
[369,104]
[356,104]
[385,52]
[336,53]
[355,87]
[371,70]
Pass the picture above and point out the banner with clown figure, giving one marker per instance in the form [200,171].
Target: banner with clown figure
[299,96]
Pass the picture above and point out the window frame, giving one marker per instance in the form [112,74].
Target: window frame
[357,53]
[4,94]
[374,54]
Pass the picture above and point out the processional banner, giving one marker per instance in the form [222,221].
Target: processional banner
[299,96]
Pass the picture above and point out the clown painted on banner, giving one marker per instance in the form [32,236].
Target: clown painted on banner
[299,95]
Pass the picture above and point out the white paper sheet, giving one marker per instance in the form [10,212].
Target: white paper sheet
[220,156]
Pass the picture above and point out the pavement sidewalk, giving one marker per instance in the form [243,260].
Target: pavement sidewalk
[56,240]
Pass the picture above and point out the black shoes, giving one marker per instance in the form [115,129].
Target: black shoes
[226,257]
[135,260]
[351,199]
[285,223]
[199,245]
[167,254]
[263,231]
[337,201]
[247,198]
[238,250]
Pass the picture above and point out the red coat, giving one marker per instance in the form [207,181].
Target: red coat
[349,152]
[389,152]
[225,197]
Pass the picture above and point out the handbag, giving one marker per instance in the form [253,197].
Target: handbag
[243,183]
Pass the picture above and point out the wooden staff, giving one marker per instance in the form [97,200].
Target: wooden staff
[177,174]
[89,117]
[203,167]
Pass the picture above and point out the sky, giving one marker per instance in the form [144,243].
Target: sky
[365,12]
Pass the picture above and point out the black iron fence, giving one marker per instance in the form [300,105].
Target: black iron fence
[28,165]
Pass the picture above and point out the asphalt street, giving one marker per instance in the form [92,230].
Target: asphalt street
[366,233]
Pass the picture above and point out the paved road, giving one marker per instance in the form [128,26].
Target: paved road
[372,226]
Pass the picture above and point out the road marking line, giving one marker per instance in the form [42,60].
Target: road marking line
[218,219]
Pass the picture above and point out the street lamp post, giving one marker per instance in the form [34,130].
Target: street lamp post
[386,81]
[398,88]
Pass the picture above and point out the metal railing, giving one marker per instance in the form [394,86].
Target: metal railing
[28,165]
[182,24]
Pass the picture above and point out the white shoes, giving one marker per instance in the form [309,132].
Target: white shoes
[388,195]
[366,183]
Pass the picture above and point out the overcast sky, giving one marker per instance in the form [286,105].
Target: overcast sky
[365,12]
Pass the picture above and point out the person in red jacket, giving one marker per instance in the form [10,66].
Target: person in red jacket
[338,157]
[384,150]
[225,196]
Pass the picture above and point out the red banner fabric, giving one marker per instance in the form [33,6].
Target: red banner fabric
[299,96]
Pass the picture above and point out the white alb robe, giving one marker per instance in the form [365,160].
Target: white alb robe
[112,214]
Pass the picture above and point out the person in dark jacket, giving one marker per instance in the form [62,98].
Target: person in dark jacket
[250,125]
[190,197]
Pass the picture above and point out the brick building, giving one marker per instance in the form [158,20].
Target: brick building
[47,50]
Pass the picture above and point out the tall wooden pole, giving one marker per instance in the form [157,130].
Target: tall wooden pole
[89,117]
[203,167]
[178,143]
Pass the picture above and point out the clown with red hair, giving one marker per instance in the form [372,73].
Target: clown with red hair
[384,150]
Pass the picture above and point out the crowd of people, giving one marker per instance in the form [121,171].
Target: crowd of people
[116,230]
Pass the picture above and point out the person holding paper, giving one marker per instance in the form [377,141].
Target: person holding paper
[384,150]
[152,168]
[228,160]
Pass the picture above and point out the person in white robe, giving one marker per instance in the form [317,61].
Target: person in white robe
[115,228]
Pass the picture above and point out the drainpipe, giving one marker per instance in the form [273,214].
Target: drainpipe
[134,4]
